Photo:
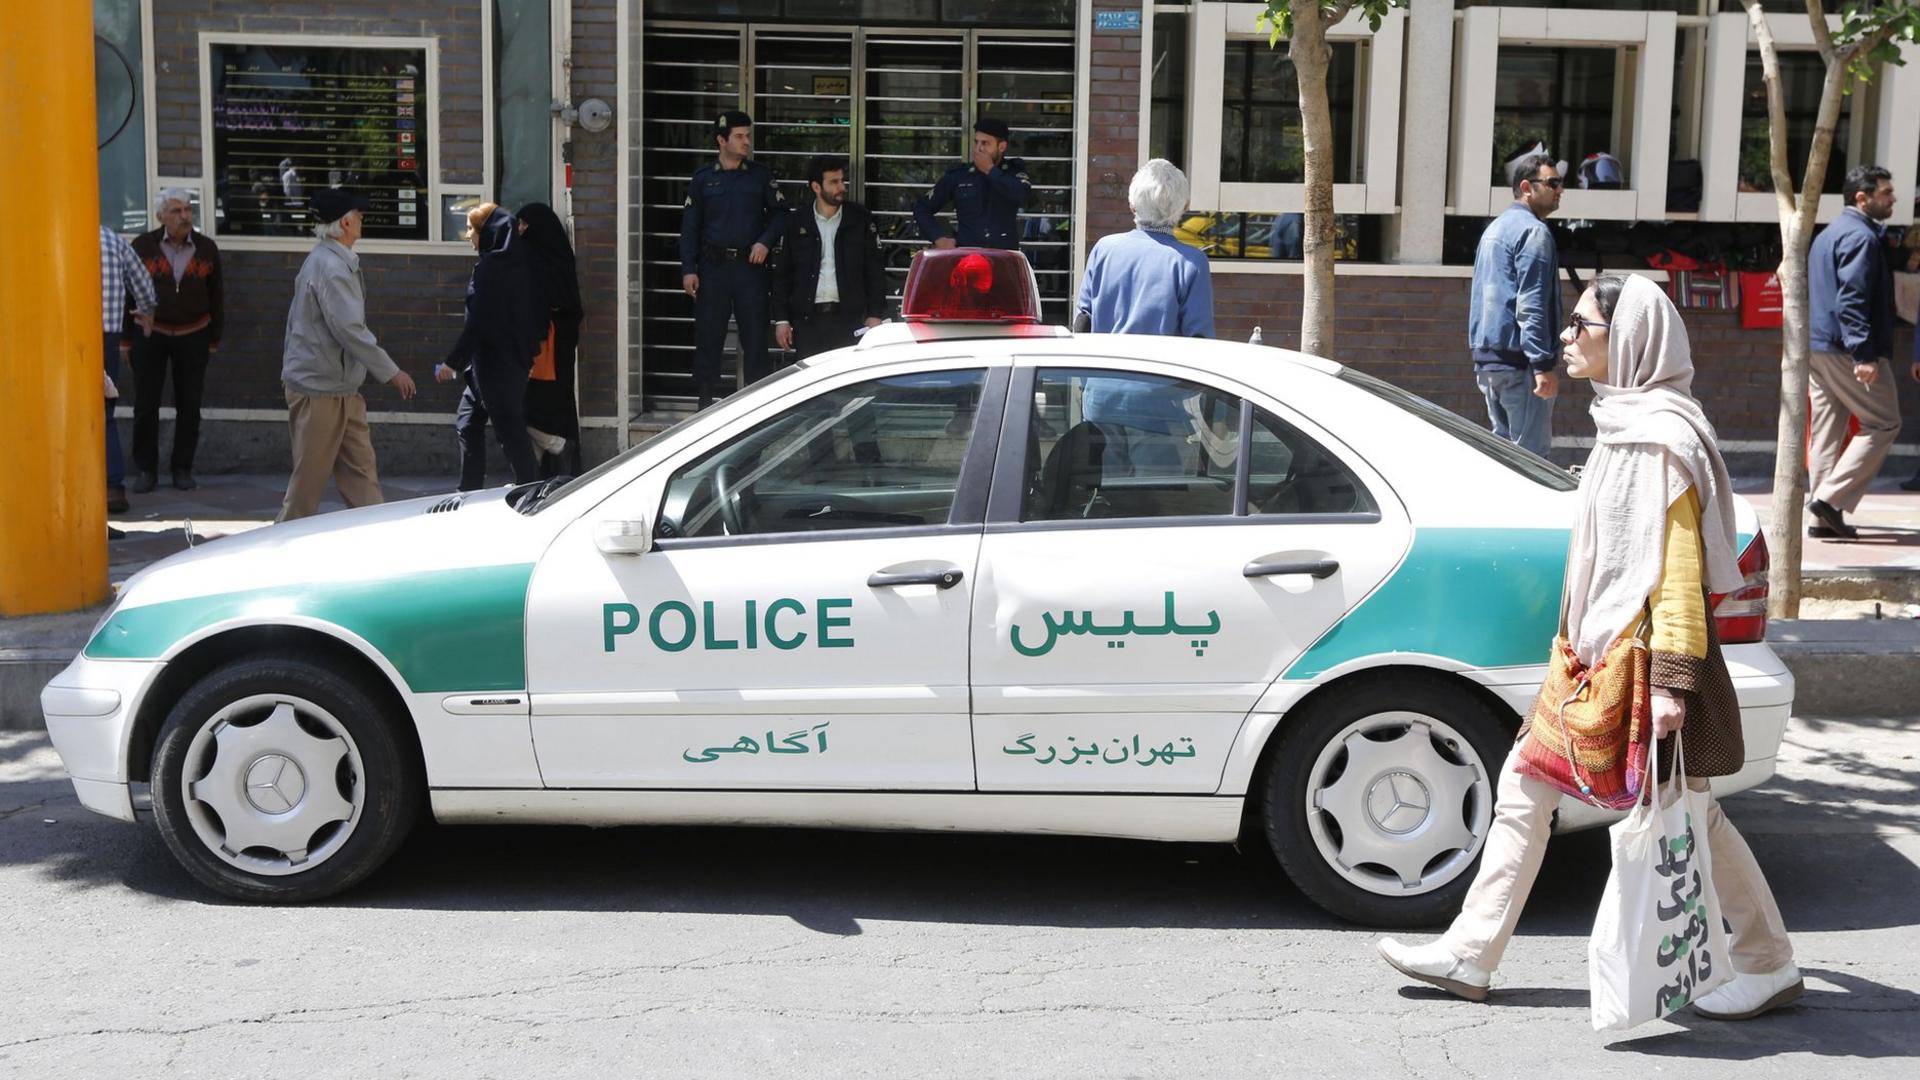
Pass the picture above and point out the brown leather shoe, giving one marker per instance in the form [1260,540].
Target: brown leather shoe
[117,499]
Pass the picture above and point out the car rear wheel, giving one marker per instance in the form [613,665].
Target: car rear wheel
[1378,799]
[276,779]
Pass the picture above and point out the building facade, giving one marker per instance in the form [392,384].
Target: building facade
[252,104]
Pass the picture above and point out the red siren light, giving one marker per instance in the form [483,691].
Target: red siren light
[970,285]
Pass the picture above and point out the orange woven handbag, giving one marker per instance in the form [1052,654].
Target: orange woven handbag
[1588,732]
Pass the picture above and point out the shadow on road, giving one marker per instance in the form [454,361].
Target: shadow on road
[1843,1022]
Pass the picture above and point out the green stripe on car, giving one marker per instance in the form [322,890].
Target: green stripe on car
[1483,597]
[443,630]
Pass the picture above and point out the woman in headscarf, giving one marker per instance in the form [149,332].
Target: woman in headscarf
[495,351]
[552,408]
[1654,535]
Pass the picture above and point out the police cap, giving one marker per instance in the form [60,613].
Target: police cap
[332,204]
[724,124]
[988,125]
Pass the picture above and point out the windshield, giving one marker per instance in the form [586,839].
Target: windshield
[617,460]
[1524,462]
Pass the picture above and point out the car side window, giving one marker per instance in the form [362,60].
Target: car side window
[1288,473]
[1119,444]
[884,453]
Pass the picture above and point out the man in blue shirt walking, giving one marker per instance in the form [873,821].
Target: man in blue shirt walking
[1513,322]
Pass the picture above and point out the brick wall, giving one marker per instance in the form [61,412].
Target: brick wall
[596,205]
[1113,126]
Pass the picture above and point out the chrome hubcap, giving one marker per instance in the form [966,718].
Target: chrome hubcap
[273,784]
[1399,803]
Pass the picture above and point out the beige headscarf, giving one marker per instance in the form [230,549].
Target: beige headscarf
[1654,442]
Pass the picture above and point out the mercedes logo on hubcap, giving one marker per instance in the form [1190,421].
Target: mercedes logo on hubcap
[1398,803]
[275,784]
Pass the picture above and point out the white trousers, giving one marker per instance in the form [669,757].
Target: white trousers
[1517,841]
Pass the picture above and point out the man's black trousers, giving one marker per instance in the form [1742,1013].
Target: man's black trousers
[153,356]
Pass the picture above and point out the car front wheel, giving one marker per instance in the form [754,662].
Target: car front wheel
[276,779]
[1379,798]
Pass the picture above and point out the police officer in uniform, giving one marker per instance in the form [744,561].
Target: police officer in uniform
[731,222]
[987,194]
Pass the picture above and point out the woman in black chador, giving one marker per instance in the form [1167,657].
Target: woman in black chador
[551,406]
[495,351]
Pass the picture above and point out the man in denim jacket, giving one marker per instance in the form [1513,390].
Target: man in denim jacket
[1513,323]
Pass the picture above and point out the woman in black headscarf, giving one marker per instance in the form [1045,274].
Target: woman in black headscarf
[495,351]
[551,406]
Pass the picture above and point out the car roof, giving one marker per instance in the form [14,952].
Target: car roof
[1229,358]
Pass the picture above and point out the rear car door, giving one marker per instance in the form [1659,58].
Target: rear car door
[1160,545]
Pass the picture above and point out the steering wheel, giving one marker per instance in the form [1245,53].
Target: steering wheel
[723,490]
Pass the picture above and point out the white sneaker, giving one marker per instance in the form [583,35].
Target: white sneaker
[545,443]
[1747,996]
[1434,965]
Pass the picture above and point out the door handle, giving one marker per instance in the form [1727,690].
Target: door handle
[1319,570]
[945,578]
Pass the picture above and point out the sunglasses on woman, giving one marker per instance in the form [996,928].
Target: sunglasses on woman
[1579,324]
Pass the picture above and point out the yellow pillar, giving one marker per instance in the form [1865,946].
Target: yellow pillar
[53,537]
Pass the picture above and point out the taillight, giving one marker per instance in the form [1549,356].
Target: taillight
[1741,615]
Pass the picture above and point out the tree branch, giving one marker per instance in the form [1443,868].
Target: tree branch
[1334,12]
[1822,38]
[1783,192]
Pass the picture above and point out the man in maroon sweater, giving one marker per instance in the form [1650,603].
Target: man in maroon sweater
[187,282]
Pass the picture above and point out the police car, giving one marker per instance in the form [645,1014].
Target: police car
[971,573]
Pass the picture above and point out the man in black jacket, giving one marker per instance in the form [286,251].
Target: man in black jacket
[828,279]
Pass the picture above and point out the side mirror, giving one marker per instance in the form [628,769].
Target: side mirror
[622,537]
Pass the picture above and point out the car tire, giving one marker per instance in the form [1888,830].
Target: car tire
[277,780]
[1377,799]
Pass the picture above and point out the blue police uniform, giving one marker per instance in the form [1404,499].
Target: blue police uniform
[727,212]
[986,206]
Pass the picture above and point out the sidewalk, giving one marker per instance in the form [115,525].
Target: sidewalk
[1843,664]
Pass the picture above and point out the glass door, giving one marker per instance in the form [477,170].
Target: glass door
[802,103]
[691,76]
[1028,82]
[899,104]
[914,119]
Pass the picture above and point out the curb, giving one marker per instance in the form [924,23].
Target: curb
[1841,667]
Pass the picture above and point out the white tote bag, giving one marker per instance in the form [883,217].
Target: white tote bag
[1659,942]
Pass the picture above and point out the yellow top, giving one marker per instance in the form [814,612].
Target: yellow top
[1679,607]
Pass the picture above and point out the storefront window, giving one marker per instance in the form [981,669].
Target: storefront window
[1261,140]
[118,85]
[1800,77]
[292,118]
[1559,98]
[522,102]
[1051,13]
[1277,236]
[1167,134]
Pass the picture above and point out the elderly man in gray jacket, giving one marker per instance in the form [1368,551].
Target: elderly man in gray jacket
[329,352]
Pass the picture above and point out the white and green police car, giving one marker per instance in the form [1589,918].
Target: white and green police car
[972,573]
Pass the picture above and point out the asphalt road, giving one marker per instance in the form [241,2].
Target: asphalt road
[721,953]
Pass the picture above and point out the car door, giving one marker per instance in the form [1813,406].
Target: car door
[800,619]
[1143,580]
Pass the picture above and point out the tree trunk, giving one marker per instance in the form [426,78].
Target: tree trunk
[1797,219]
[1308,50]
[1789,452]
